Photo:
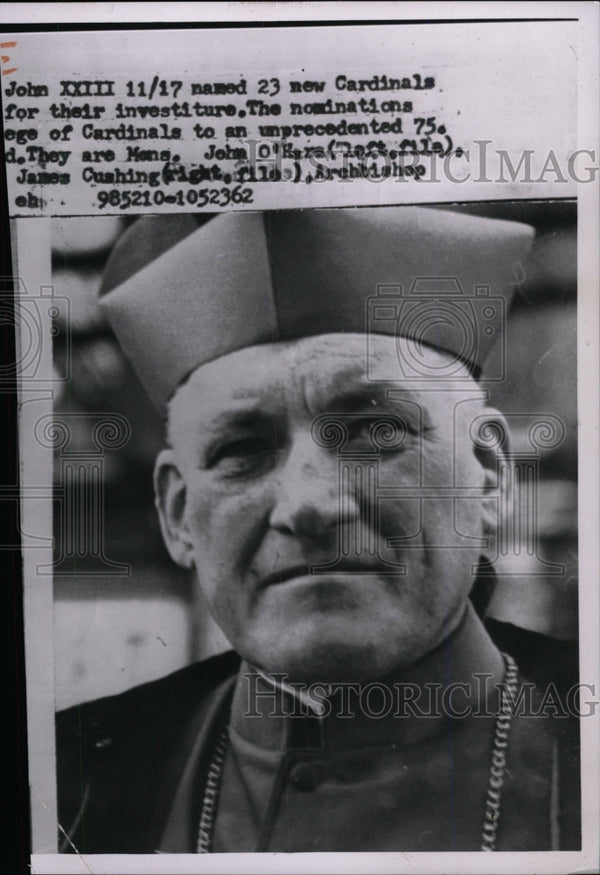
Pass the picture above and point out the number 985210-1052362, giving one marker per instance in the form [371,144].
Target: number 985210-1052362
[193,197]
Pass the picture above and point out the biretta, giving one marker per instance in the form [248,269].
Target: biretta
[179,294]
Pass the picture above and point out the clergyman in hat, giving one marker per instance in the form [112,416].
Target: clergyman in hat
[325,480]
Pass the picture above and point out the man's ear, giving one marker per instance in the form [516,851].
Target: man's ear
[492,450]
[170,502]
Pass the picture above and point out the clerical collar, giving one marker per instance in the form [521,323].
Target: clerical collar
[305,699]
[457,679]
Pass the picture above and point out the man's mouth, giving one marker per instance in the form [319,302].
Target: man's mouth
[320,569]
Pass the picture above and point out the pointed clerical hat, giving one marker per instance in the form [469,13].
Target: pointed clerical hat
[180,291]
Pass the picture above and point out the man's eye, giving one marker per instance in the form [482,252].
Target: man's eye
[379,433]
[241,452]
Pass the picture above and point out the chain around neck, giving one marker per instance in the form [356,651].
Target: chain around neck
[497,770]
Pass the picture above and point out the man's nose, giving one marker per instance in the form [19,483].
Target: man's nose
[310,501]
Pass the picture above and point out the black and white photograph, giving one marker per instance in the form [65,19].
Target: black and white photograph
[332,477]
[306,407]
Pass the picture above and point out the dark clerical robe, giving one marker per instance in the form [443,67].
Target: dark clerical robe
[400,765]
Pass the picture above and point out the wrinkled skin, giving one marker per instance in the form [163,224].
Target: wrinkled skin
[251,501]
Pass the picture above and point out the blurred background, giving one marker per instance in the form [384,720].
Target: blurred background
[124,613]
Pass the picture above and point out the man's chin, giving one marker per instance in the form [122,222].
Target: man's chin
[328,656]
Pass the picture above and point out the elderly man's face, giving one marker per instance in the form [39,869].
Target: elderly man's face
[255,496]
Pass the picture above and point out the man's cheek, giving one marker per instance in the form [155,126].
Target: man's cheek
[468,518]
[214,517]
[400,521]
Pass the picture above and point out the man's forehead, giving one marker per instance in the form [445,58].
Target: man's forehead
[326,370]
[258,367]
[319,362]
